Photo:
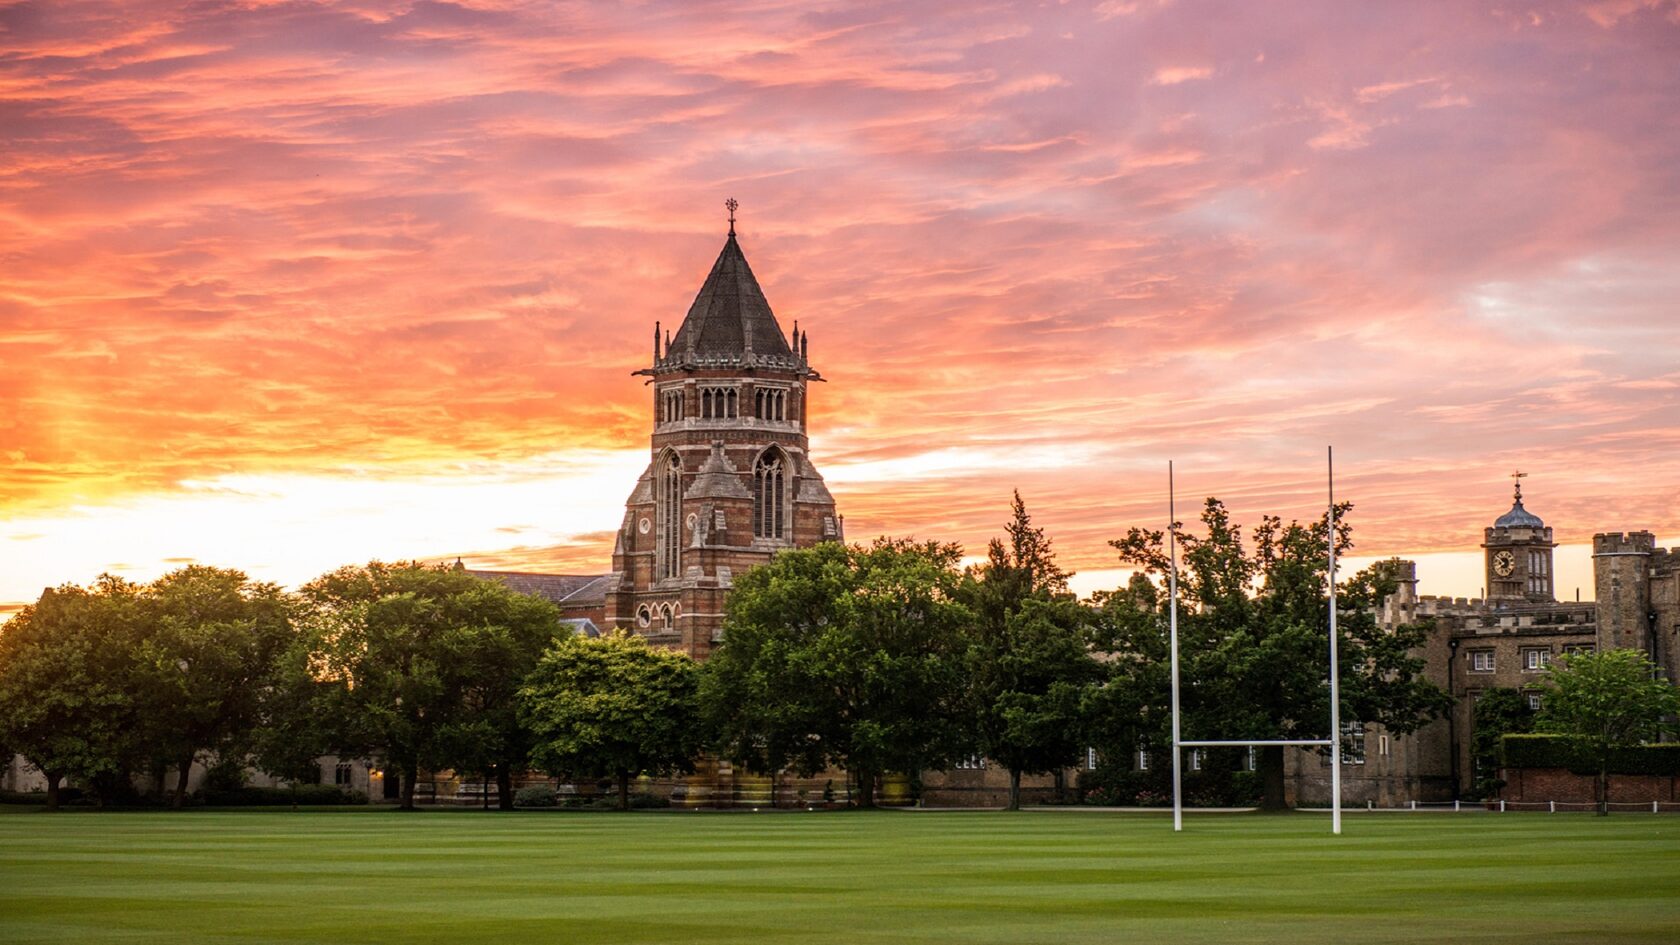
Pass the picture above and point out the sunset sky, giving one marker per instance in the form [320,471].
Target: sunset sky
[286,285]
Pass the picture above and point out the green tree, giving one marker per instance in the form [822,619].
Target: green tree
[1252,637]
[295,720]
[67,684]
[212,643]
[850,656]
[491,736]
[1607,700]
[613,707]
[402,648]
[1499,712]
[1029,662]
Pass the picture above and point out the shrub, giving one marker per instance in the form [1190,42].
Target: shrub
[310,795]
[1562,751]
[66,795]
[227,774]
[537,795]
[1217,785]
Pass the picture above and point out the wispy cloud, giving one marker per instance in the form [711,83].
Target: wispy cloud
[263,258]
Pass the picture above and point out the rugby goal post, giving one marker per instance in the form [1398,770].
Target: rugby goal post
[1333,742]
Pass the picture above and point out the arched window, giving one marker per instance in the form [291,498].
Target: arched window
[770,494]
[669,511]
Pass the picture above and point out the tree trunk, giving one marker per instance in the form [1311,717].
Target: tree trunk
[623,789]
[1014,789]
[1271,778]
[866,789]
[409,774]
[1603,789]
[1061,786]
[53,779]
[504,787]
[180,797]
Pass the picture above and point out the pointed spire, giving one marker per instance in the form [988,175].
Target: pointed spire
[729,312]
[656,354]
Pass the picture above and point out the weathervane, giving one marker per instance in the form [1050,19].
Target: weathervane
[731,204]
[1517,478]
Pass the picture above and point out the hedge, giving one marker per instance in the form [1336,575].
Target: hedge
[1563,751]
[313,795]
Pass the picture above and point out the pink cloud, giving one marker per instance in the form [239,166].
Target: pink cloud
[284,238]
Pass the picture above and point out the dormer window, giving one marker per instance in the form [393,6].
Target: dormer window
[719,403]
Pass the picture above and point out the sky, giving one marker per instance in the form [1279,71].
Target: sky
[286,286]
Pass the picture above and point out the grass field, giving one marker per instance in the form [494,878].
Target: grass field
[377,876]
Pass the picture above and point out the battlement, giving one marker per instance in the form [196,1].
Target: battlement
[1664,560]
[1400,569]
[1434,604]
[1624,543]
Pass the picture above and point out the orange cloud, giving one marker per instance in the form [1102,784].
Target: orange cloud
[329,258]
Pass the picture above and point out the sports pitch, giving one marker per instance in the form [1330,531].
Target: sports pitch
[457,877]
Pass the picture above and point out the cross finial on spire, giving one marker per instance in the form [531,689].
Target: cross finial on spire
[731,204]
[1516,479]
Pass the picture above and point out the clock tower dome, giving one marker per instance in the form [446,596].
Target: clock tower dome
[1519,555]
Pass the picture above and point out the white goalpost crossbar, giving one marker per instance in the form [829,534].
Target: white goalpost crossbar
[1180,743]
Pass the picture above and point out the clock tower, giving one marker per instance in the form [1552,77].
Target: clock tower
[1519,555]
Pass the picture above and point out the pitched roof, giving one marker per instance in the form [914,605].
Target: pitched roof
[730,313]
[572,589]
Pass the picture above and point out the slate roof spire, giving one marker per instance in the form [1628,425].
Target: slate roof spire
[730,323]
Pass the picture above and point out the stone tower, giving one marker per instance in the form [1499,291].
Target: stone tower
[730,482]
[1518,555]
[1622,583]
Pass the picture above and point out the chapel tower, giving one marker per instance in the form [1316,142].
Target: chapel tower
[1518,555]
[730,482]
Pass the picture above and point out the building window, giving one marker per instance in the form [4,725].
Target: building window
[972,763]
[670,517]
[341,773]
[1575,648]
[719,403]
[1533,701]
[770,495]
[1535,660]
[770,404]
[1382,745]
[1251,759]
[1353,743]
[1142,760]
[1090,759]
[1481,661]
[673,405]
[1195,759]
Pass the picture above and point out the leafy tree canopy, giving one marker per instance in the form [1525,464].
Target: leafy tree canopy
[844,655]
[1610,699]
[613,707]
[1252,636]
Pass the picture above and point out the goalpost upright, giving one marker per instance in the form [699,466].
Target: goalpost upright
[1333,742]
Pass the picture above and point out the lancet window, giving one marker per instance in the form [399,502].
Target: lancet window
[669,498]
[770,495]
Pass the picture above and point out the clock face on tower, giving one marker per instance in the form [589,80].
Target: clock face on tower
[1504,564]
